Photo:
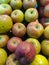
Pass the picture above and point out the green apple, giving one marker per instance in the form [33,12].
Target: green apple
[31,14]
[16,4]
[17,16]
[4,1]
[5,9]
[29,3]
[46,32]
[3,56]
[40,60]
[6,23]
[36,44]
[3,40]
[11,60]
[35,29]
[45,47]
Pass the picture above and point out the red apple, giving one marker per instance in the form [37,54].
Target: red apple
[19,29]
[25,53]
[11,60]
[29,3]
[46,11]
[35,29]
[43,2]
[44,21]
[41,11]
[12,43]
[3,40]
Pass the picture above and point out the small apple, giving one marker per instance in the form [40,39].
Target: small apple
[45,47]
[4,1]
[5,9]
[46,11]
[31,14]
[41,11]
[40,60]
[16,4]
[6,23]
[46,32]
[36,44]
[44,21]
[3,40]
[13,43]
[25,53]
[43,2]
[35,29]
[3,56]
[29,3]
[11,60]
[19,29]
[17,16]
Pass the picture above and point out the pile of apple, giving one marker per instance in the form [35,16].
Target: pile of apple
[24,32]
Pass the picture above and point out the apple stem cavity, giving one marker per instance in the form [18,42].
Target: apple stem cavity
[32,12]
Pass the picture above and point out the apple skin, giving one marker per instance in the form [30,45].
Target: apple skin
[35,29]
[6,23]
[46,11]
[25,53]
[31,14]
[41,11]
[17,16]
[44,2]
[19,29]
[45,47]
[3,40]
[29,4]
[40,60]
[46,32]
[5,9]
[13,43]
[11,60]
[4,1]
[16,4]
[44,21]
[36,44]
[3,56]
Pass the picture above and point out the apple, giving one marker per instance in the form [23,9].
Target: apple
[3,40]
[31,14]
[46,32]
[6,23]
[17,16]
[13,43]
[19,29]
[25,53]
[3,56]
[41,11]
[36,44]
[5,9]
[46,11]
[11,60]
[40,60]
[35,29]
[29,3]
[16,4]
[45,47]
[43,2]
[4,1]
[45,21]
